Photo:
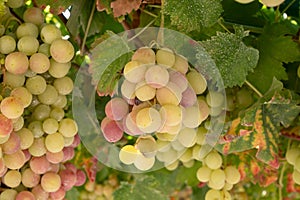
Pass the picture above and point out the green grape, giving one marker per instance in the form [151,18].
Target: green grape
[26,138]
[187,137]
[27,29]
[15,3]
[128,154]
[201,135]
[49,33]
[203,174]
[165,57]
[36,85]
[50,125]
[2,29]
[14,80]
[29,178]
[214,99]
[12,178]
[297,163]
[233,175]
[68,141]
[59,70]
[197,81]
[213,160]
[63,85]
[23,95]
[144,55]
[8,194]
[68,127]
[41,112]
[187,155]
[292,154]
[34,15]
[7,44]
[147,146]
[60,102]
[213,195]
[244,98]
[62,51]
[54,142]
[49,96]
[36,127]
[57,113]
[39,63]
[18,123]
[45,49]
[16,63]
[38,147]
[28,45]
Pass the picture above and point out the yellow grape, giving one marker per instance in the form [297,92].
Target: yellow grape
[296,176]
[54,142]
[143,163]
[203,174]
[165,57]
[62,51]
[292,154]
[213,160]
[213,195]
[157,76]
[172,114]
[187,137]
[197,81]
[26,29]
[8,194]
[68,127]
[58,70]
[233,175]
[23,95]
[16,63]
[144,92]
[134,71]
[144,55]
[39,63]
[181,64]
[128,154]
[147,146]
[50,182]
[12,178]
[217,179]
[187,155]
[28,45]
[15,160]
[11,107]
[148,120]
[49,33]
[170,94]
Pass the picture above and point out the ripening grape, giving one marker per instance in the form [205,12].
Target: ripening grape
[38,147]
[130,126]
[57,113]
[36,85]
[144,55]
[49,96]
[12,178]
[213,195]
[147,146]
[39,63]
[181,64]
[49,33]
[34,15]
[23,95]
[54,142]
[143,163]
[7,44]
[27,29]
[217,179]
[213,160]
[62,51]
[63,85]
[80,178]
[28,45]
[214,99]
[148,120]
[16,63]
[14,80]
[134,71]
[169,94]
[25,195]
[128,154]
[203,174]
[233,175]
[36,127]
[165,57]
[291,155]
[179,79]
[144,92]
[68,179]
[111,130]
[157,76]
[50,182]
[116,109]
[50,125]
[4,139]
[58,70]
[272,3]
[40,193]
[55,158]
[29,178]
[191,117]
[12,145]
[197,81]
[68,127]
[39,165]
[8,194]
[187,136]
[6,126]
[172,115]
[15,160]
[59,194]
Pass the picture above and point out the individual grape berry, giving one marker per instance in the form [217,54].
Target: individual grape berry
[134,71]
[147,146]
[165,57]
[50,182]
[12,178]
[27,29]
[144,55]
[157,76]
[16,63]
[49,33]
[111,130]
[7,44]
[28,45]
[34,15]
[197,81]
[213,160]
[62,51]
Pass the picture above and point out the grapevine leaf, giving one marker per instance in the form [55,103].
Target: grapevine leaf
[102,5]
[260,127]
[232,57]
[56,7]
[104,68]
[124,7]
[187,175]
[276,47]
[145,188]
[191,15]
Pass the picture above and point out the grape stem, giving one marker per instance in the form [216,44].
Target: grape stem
[254,89]
[87,28]
[288,6]
[149,13]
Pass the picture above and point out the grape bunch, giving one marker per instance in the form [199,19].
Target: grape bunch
[36,137]
[220,179]
[162,101]
[293,158]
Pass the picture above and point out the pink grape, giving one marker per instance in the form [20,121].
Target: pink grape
[54,168]
[39,165]
[189,97]
[70,166]
[68,153]
[76,141]
[130,126]
[80,178]
[111,130]
[116,109]
[40,193]
[25,195]
[3,168]
[6,126]
[12,145]
[58,195]
[68,179]
[55,157]
[179,79]
[11,107]
[27,154]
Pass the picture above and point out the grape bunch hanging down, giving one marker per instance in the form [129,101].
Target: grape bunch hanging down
[36,138]
[162,101]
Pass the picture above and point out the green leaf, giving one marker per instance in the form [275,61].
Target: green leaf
[191,15]
[56,7]
[188,175]
[260,127]
[276,47]
[232,57]
[145,188]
